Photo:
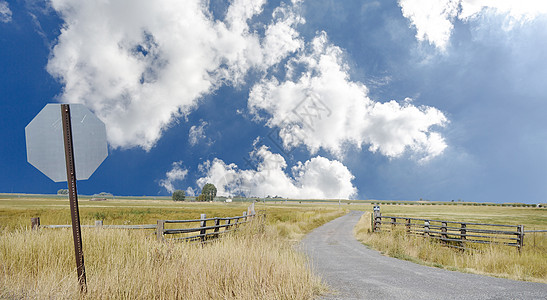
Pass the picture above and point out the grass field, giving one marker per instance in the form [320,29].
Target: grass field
[258,262]
[16,213]
[500,261]
[41,264]
[530,217]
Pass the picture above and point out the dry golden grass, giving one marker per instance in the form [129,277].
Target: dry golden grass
[255,263]
[494,260]
[16,214]
[252,264]
[293,222]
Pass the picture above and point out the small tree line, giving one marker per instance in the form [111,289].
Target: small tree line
[208,193]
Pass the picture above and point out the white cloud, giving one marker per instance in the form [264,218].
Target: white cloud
[522,10]
[190,191]
[434,19]
[317,178]
[321,107]
[5,12]
[139,65]
[197,133]
[177,173]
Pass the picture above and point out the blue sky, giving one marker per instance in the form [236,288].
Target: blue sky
[439,100]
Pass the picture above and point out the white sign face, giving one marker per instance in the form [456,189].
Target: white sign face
[46,148]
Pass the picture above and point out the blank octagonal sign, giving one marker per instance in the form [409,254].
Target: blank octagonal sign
[45,142]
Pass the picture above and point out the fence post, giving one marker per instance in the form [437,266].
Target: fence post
[217,223]
[159,230]
[203,224]
[251,209]
[245,215]
[99,224]
[444,236]
[520,231]
[426,228]
[393,221]
[463,232]
[228,224]
[377,219]
[35,223]
[407,225]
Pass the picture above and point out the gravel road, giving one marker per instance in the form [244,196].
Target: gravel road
[356,272]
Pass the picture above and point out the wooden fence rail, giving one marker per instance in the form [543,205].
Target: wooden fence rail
[205,230]
[451,233]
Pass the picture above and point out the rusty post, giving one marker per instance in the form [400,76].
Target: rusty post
[73,196]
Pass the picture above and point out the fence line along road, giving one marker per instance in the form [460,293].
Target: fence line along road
[355,271]
[454,234]
[204,230]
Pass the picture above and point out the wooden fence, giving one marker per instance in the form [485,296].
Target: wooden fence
[204,231]
[451,233]
[208,228]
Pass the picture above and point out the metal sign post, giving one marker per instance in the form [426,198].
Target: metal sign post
[73,196]
[63,138]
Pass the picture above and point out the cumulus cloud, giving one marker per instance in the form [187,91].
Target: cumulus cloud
[5,12]
[197,133]
[316,178]
[318,106]
[434,19]
[177,173]
[139,65]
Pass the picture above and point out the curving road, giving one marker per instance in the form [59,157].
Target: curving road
[356,272]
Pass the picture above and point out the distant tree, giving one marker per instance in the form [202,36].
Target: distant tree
[62,192]
[179,195]
[208,192]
